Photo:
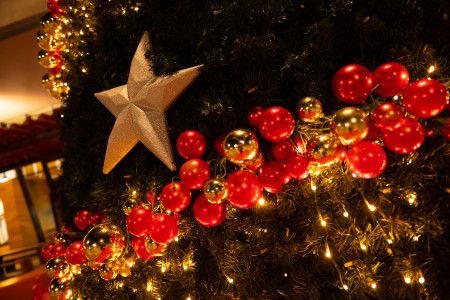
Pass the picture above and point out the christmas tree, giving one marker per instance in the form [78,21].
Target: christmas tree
[296,173]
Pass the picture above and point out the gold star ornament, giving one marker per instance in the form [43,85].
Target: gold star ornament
[139,107]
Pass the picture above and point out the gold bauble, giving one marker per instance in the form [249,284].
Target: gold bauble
[254,164]
[216,190]
[309,109]
[61,238]
[324,151]
[49,42]
[129,204]
[47,81]
[108,271]
[70,294]
[60,89]
[49,60]
[57,287]
[104,242]
[240,145]
[57,266]
[350,125]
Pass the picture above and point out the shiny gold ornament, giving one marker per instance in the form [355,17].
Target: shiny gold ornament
[49,60]
[254,164]
[125,265]
[309,109]
[61,238]
[56,288]
[69,294]
[129,204]
[240,145]
[57,266]
[350,125]
[47,81]
[104,242]
[108,271]
[60,89]
[324,151]
[49,42]
[216,190]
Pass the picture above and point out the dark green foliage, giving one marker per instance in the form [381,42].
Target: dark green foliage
[269,52]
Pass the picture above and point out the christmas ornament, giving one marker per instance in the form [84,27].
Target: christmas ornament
[163,228]
[276,124]
[83,219]
[50,59]
[48,42]
[350,125]
[61,238]
[273,176]
[54,7]
[324,151]
[240,145]
[104,242]
[254,116]
[282,150]
[244,189]
[57,287]
[405,139]
[215,190]
[108,271]
[366,160]
[138,221]
[194,173]
[391,79]
[140,106]
[175,196]
[50,24]
[75,253]
[46,253]
[57,250]
[298,167]
[352,84]
[425,98]
[146,249]
[309,109]
[445,130]
[387,116]
[151,197]
[254,164]
[207,213]
[125,265]
[57,266]
[129,205]
[191,144]
[218,145]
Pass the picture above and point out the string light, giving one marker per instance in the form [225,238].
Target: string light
[185,267]
[327,252]
[407,280]
[176,239]
[371,207]
[230,280]
[285,275]
[363,247]
[373,285]
[313,187]
[345,287]
[389,241]
[421,280]
[431,69]
[411,197]
[261,201]
[323,222]
[396,97]
[346,215]
[149,286]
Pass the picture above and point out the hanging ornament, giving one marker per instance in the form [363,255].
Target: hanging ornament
[425,98]
[324,151]
[50,24]
[46,253]
[366,160]
[405,139]
[254,164]
[151,197]
[48,42]
[50,59]
[129,205]
[391,79]
[254,116]
[104,242]
[240,145]
[194,173]
[309,109]
[387,116]
[163,228]
[276,124]
[125,266]
[218,145]
[108,271]
[244,189]
[57,266]
[83,219]
[57,287]
[138,221]
[350,125]
[282,150]
[145,248]
[274,176]
[57,250]
[445,130]
[191,144]
[352,84]
[298,167]
[175,196]
[207,213]
[215,190]
[54,7]
[75,253]
[61,238]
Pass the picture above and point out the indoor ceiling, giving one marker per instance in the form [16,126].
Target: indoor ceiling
[20,74]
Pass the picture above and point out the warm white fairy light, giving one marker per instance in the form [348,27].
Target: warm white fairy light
[176,239]
[313,187]
[345,214]
[371,207]
[411,197]
[163,269]
[363,247]
[395,97]
[185,267]
[407,279]
[431,69]
[416,238]
[230,280]
[389,241]
[188,298]
[327,252]
[373,285]
[261,201]
[285,275]
[323,222]
[345,287]
[149,286]
[421,280]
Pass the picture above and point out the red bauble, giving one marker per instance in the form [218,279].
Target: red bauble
[83,220]
[406,138]
[387,116]
[373,133]
[244,189]
[276,124]
[98,217]
[298,167]
[46,251]
[391,78]
[138,221]
[425,98]
[366,160]
[209,214]
[191,144]
[352,84]
[163,228]
[54,7]
[139,245]
[57,250]
[218,144]
[175,196]
[254,116]
[282,150]
[194,173]
[75,253]
[151,197]
[445,130]
[273,176]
